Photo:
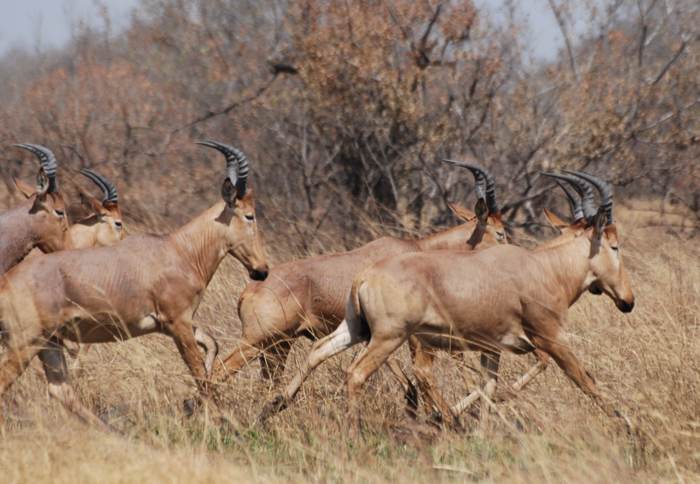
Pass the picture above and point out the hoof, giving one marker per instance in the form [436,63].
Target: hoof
[275,406]
[189,407]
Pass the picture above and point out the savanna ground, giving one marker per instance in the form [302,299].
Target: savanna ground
[646,362]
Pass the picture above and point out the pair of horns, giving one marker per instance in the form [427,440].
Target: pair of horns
[585,207]
[47,160]
[108,190]
[482,177]
[236,165]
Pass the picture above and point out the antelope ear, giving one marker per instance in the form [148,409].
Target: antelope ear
[461,212]
[600,221]
[482,211]
[557,224]
[228,193]
[24,188]
[42,184]
[91,205]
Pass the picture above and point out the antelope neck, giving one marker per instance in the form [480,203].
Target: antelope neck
[450,239]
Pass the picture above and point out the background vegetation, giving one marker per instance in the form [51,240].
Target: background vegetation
[345,110]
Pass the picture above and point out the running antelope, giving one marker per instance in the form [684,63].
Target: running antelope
[40,221]
[423,358]
[141,285]
[307,297]
[503,299]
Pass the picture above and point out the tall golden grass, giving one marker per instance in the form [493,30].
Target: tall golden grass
[645,362]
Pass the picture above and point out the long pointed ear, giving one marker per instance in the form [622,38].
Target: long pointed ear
[482,211]
[557,224]
[228,193]
[600,221]
[91,205]
[461,212]
[23,187]
[42,184]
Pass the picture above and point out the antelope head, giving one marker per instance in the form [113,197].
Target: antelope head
[489,230]
[241,238]
[48,212]
[106,219]
[607,273]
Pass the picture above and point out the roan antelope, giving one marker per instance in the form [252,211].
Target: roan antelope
[40,221]
[102,228]
[503,299]
[307,297]
[423,358]
[141,285]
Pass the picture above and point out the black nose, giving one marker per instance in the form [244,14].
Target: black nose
[257,275]
[625,307]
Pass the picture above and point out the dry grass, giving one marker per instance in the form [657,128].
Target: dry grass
[645,362]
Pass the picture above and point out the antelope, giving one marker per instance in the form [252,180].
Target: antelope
[307,297]
[40,221]
[143,284]
[423,358]
[503,299]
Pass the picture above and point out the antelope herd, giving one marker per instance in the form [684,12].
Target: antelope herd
[462,289]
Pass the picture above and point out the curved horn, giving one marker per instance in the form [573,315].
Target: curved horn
[236,165]
[490,195]
[108,190]
[47,160]
[584,190]
[606,201]
[576,202]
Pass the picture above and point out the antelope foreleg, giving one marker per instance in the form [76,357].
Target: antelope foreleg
[54,362]
[182,333]
[210,347]
[489,365]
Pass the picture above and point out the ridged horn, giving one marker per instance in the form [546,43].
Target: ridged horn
[490,195]
[236,165]
[108,190]
[47,160]
[584,190]
[606,201]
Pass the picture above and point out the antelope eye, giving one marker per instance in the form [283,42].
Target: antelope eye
[250,217]
[615,248]
[500,235]
[118,225]
[60,213]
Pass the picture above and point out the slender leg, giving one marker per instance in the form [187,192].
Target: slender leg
[15,361]
[465,372]
[436,406]
[518,386]
[210,347]
[362,368]
[489,365]
[183,335]
[56,371]
[273,361]
[409,390]
[560,350]
[347,335]
[245,353]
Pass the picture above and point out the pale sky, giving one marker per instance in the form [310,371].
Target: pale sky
[21,20]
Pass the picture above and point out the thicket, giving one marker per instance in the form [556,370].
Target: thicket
[345,109]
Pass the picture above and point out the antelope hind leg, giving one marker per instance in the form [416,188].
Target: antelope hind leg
[409,390]
[54,362]
[274,359]
[347,335]
[489,364]
[436,407]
